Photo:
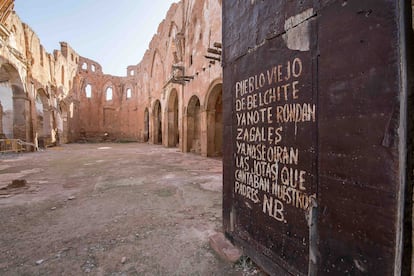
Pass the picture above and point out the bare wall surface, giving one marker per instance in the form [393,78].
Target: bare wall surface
[31,77]
[173,74]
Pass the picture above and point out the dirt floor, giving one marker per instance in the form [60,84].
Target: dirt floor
[111,209]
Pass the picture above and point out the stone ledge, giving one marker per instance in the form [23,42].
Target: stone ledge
[224,248]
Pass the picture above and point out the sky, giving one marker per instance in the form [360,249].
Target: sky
[113,33]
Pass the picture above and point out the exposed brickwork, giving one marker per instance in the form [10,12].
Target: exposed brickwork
[171,97]
[28,73]
[175,54]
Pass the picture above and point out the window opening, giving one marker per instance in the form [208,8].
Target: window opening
[109,94]
[88,91]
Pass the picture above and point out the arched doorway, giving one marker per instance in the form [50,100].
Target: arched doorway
[44,127]
[6,111]
[157,126]
[215,121]
[62,123]
[173,133]
[193,125]
[15,105]
[146,125]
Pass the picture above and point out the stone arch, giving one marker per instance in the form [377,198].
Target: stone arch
[175,45]
[109,115]
[193,119]
[15,105]
[214,113]
[157,64]
[172,119]
[157,123]
[108,86]
[43,118]
[6,111]
[157,72]
[63,125]
[173,29]
[146,125]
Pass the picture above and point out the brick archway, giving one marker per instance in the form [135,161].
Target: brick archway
[215,121]
[157,123]
[173,133]
[193,119]
[146,125]
[15,105]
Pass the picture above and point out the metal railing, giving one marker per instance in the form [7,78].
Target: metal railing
[14,145]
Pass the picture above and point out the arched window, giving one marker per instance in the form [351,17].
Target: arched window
[128,93]
[109,94]
[93,68]
[88,91]
[84,66]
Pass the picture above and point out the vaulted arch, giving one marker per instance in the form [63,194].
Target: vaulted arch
[172,117]
[157,123]
[146,125]
[43,118]
[193,129]
[15,105]
[108,88]
[62,124]
[157,73]
[214,112]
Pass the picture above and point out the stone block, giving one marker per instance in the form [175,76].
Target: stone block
[224,248]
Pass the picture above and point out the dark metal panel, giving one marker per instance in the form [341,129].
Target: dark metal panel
[358,152]
[347,145]
[267,84]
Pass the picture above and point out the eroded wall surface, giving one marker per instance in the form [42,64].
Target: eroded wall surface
[35,86]
[171,97]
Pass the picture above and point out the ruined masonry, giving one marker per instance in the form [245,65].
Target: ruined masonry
[317,101]
[171,97]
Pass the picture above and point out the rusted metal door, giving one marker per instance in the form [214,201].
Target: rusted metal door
[315,104]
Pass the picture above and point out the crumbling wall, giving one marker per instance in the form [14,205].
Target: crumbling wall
[342,112]
[173,70]
[98,118]
[30,73]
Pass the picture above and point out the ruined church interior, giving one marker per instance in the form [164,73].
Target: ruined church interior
[252,138]
[172,97]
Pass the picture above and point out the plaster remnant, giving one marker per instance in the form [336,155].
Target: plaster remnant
[294,21]
[297,35]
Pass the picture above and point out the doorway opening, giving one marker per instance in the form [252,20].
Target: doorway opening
[215,122]
[193,125]
[157,134]
[173,133]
